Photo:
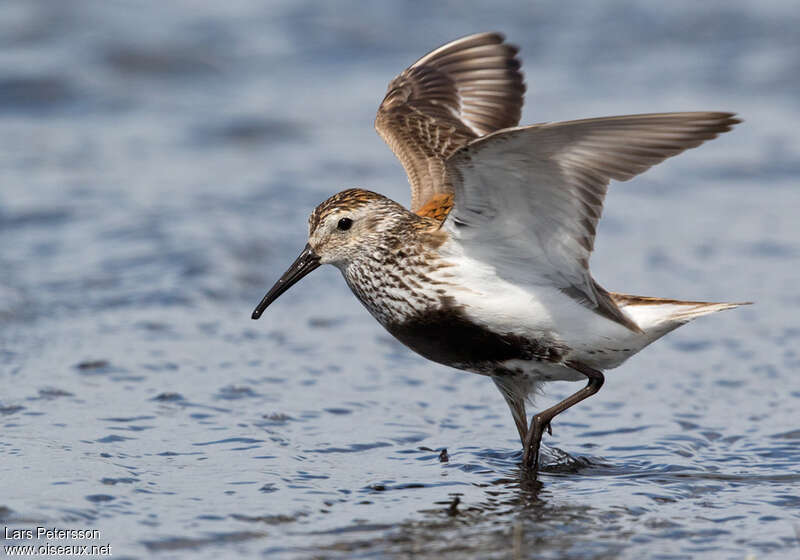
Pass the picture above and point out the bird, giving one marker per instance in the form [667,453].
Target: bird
[488,271]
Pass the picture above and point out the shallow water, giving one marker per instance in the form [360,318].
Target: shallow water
[158,164]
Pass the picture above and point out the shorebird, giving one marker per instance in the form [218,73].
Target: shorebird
[489,270]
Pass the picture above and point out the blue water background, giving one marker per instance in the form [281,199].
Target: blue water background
[158,161]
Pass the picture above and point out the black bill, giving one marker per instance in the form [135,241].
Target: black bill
[305,263]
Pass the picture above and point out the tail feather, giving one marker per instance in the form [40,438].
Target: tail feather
[703,308]
[652,312]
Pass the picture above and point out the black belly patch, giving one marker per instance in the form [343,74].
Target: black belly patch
[448,337]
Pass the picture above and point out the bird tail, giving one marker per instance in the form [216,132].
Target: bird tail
[652,313]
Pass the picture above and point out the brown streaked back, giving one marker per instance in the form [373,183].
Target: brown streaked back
[437,207]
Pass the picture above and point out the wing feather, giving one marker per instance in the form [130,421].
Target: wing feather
[448,98]
[527,200]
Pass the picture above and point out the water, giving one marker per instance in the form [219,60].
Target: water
[158,163]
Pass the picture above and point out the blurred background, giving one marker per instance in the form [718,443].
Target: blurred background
[158,161]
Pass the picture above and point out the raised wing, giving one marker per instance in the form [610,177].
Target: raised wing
[448,98]
[527,200]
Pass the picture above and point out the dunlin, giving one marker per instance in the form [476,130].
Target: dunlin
[489,271]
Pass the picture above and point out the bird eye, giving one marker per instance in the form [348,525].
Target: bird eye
[344,224]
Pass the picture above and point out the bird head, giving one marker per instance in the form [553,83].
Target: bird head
[344,228]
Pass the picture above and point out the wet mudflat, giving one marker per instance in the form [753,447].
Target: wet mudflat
[158,165]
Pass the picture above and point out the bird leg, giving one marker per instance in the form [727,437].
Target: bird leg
[518,412]
[516,403]
[541,421]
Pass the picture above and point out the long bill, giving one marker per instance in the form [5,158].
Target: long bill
[305,263]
